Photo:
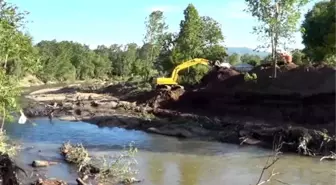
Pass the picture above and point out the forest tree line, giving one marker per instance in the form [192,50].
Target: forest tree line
[160,53]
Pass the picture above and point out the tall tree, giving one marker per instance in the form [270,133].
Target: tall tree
[189,41]
[212,39]
[153,41]
[14,45]
[165,59]
[250,59]
[130,55]
[211,31]
[319,31]
[234,58]
[188,44]
[278,20]
[297,56]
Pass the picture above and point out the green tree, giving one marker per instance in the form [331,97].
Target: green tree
[153,41]
[198,37]
[101,65]
[211,32]
[298,56]
[234,58]
[212,39]
[130,56]
[250,59]
[115,55]
[165,60]
[214,52]
[278,20]
[267,59]
[189,42]
[70,61]
[319,31]
[14,45]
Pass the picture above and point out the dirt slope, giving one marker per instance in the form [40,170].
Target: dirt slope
[300,94]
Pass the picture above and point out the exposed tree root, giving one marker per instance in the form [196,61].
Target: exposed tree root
[9,170]
[332,156]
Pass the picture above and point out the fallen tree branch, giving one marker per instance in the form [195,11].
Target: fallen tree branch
[332,156]
[266,167]
[277,148]
[282,182]
[269,178]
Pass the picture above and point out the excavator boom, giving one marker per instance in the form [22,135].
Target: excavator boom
[174,76]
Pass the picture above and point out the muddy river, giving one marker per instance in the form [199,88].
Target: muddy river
[164,160]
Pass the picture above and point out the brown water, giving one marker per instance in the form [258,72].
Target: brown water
[165,160]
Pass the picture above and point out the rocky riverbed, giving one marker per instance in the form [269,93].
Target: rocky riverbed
[108,108]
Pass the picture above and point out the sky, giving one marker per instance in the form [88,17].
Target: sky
[119,22]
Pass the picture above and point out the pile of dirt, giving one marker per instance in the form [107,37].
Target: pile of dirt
[291,79]
[163,98]
[266,70]
[225,91]
[230,80]
[306,80]
[221,79]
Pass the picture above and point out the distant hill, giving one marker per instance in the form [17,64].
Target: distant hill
[244,50]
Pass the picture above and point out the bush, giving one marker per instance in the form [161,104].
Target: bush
[253,77]
[6,147]
[330,60]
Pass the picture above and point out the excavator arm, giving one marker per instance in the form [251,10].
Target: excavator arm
[174,76]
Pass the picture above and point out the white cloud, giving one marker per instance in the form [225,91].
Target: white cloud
[163,8]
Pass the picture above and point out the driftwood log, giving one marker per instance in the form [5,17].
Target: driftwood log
[38,163]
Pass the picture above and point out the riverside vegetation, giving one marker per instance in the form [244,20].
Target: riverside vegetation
[308,129]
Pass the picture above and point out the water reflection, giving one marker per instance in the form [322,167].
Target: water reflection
[156,170]
[190,171]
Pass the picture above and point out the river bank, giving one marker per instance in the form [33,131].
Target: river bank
[125,106]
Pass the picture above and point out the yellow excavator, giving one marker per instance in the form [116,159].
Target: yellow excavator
[171,82]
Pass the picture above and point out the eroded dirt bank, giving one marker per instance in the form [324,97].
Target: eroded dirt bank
[296,109]
[304,95]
